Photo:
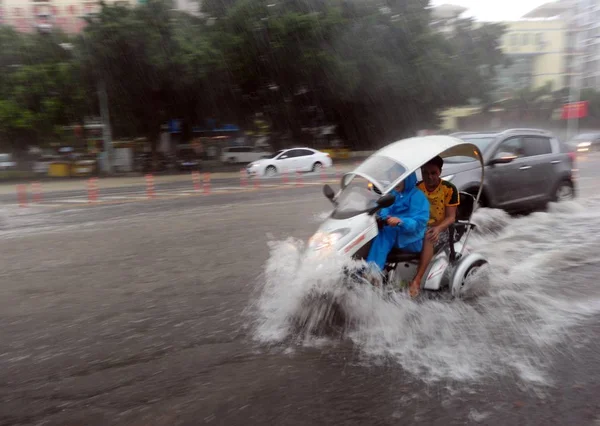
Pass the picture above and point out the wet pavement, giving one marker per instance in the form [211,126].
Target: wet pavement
[144,314]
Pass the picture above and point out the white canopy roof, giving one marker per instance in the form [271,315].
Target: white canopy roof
[412,153]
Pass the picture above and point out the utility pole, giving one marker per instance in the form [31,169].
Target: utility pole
[575,82]
[106,132]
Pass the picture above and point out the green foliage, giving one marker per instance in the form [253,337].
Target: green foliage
[39,90]
[378,71]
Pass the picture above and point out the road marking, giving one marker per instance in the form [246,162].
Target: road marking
[73,200]
[123,197]
[165,194]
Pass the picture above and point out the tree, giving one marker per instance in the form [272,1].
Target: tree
[39,89]
[157,65]
[477,50]
[378,71]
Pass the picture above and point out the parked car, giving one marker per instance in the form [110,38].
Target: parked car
[143,162]
[585,142]
[243,154]
[7,162]
[524,169]
[290,160]
[187,159]
[84,165]
[42,164]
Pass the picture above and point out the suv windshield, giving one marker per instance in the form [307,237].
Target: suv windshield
[355,199]
[482,142]
[383,170]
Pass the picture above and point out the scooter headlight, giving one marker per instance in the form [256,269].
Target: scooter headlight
[326,240]
[448,178]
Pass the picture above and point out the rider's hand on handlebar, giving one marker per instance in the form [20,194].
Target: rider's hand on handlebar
[393,221]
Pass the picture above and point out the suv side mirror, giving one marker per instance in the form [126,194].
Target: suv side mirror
[503,158]
[328,192]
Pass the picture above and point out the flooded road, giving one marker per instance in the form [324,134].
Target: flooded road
[176,312]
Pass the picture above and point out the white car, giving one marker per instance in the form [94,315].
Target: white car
[290,160]
[6,162]
[243,154]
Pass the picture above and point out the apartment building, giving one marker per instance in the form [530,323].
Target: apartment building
[583,44]
[537,48]
[43,15]
[190,6]
[443,17]
[587,23]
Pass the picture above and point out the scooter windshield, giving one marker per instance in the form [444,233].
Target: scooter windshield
[355,199]
[383,171]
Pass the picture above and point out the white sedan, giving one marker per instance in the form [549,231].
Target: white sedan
[290,160]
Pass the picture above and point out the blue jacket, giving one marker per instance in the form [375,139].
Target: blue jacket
[412,208]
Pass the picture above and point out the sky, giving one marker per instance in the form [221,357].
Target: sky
[494,10]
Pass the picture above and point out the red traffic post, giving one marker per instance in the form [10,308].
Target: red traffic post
[243,178]
[22,195]
[257,179]
[92,190]
[299,181]
[150,186]
[206,183]
[36,188]
[196,180]
[284,176]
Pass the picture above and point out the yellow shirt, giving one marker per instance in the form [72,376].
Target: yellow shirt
[445,195]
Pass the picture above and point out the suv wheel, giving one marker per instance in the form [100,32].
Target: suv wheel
[564,191]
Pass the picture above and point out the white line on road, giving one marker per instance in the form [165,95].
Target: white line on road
[74,200]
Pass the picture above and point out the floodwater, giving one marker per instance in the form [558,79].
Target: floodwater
[158,313]
[527,302]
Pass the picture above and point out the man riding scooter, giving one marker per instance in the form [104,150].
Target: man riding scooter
[405,223]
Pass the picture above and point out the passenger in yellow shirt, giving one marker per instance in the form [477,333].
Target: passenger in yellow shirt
[443,200]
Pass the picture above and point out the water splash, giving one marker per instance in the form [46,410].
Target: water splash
[531,302]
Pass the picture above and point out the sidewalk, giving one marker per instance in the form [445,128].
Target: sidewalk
[76,184]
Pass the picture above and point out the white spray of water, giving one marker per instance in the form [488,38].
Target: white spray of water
[528,309]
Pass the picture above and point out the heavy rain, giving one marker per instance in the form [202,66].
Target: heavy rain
[299,212]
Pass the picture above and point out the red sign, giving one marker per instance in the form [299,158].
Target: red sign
[575,110]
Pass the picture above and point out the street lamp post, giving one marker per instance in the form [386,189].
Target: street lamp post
[575,81]
[106,132]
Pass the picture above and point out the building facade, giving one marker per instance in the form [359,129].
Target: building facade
[43,15]
[538,51]
[444,17]
[587,33]
[190,6]
[583,44]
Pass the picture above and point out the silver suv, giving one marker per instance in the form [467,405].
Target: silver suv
[524,169]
